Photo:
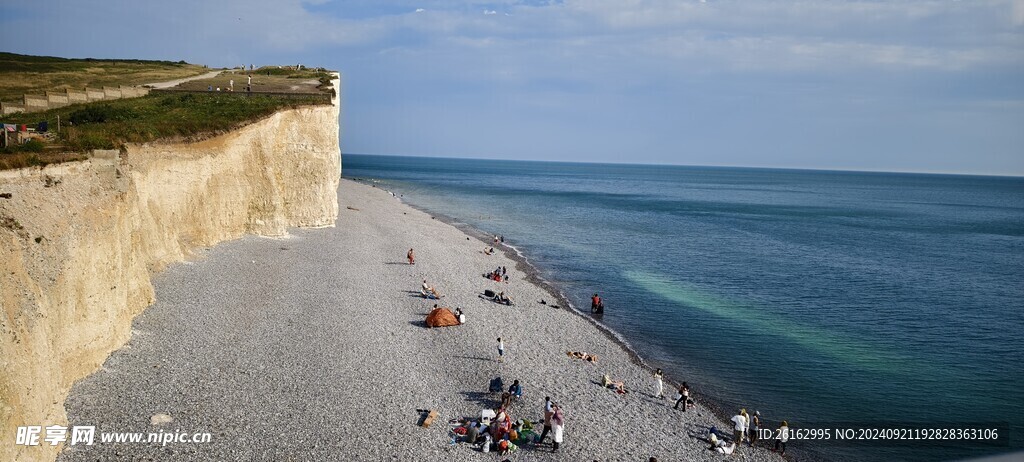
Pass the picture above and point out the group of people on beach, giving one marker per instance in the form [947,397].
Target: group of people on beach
[504,436]
[498,432]
[498,275]
[748,428]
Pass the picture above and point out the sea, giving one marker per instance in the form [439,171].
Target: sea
[890,304]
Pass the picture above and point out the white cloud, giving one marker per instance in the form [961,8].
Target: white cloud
[722,35]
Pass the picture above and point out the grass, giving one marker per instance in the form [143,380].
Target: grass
[20,74]
[109,125]
[267,79]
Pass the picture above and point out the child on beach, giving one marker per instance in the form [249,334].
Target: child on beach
[501,350]
[516,390]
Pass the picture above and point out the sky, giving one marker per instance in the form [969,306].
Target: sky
[909,85]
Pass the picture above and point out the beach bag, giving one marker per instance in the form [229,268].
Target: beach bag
[497,385]
[489,293]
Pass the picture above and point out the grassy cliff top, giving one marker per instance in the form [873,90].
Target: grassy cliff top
[271,79]
[158,116]
[20,74]
[189,111]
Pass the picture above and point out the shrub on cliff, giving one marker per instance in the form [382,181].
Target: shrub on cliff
[33,146]
[101,113]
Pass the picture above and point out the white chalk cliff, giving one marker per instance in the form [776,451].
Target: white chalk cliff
[79,242]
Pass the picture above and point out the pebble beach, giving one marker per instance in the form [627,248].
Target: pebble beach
[314,347]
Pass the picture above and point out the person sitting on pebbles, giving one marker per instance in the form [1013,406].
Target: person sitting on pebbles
[618,386]
[429,292]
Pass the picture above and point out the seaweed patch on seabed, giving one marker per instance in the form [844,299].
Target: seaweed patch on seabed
[715,405]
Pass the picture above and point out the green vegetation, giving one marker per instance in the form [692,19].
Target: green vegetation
[20,74]
[109,125]
[267,79]
[190,113]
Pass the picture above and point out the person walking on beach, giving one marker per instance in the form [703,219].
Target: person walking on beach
[501,350]
[411,256]
[684,393]
[783,437]
[659,384]
[739,423]
[557,427]
[549,412]
[755,428]
[746,424]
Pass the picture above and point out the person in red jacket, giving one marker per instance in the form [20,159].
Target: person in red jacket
[596,305]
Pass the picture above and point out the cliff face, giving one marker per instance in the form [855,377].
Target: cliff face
[79,241]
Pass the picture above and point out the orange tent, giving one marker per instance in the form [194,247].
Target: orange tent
[441,317]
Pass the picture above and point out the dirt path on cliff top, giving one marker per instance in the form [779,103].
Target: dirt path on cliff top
[313,347]
[174,83]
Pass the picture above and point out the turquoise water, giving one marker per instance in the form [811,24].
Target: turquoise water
[812,296]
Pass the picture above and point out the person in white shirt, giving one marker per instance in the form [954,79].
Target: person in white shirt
[739,423]
[659,385]
[726,449]
[783,437]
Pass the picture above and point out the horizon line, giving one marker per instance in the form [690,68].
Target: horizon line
[812,169]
